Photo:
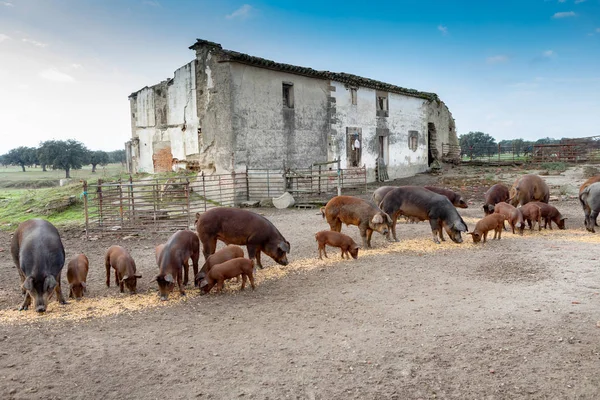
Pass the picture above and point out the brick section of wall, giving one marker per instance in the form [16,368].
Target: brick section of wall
[163,160]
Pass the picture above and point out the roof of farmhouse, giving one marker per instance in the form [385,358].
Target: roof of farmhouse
[342,77]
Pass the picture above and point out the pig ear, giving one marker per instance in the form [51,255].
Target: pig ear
[377,219]
[169,278]
[28,284]
[138,275]
[155,279]
[460,227]
[203,283]
[469,233]
[389,219]
[84,285]
[125,278]
[49,283]
[201,275]
[284,246]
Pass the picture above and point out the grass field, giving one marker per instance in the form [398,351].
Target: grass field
[36,194]
[14,177]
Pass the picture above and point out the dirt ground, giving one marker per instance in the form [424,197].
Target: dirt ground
[514,318]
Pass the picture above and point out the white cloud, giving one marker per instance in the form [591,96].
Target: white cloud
[34,42]
[7,4]
[54,75]
[443,29]
[598,30]
[565,14]
[579,1]
[562,1]
[76,66]
[497,59]
[3,37]
[243,12]
[152,3]
[548,53]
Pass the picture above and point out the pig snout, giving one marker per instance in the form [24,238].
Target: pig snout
[283,260]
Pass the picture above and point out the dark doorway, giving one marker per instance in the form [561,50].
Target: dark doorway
[431,142]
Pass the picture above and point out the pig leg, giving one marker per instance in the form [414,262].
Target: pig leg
[254,253]
[186,269]
[592,221]
[220,283]
[26,303]
[209,247]
[434,230]
[394,223]
[195,257]
[539,222]
[59,295]
[325,250]
[107,273]
[369,233]
[335,225]
[484,237]
[321,250]
[243,282]
[251,278]
[70,292]
[181,291]
[344,252]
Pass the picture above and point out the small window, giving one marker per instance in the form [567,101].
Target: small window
[413,139]
[381,104]
[288,95]
[353,95]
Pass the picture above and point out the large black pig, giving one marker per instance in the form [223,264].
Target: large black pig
[415,201]
[39,255]
[244,228]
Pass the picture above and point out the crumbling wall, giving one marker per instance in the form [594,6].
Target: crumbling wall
[438,114]
[405,115]
[270,134]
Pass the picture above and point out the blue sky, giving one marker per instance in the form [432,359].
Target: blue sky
[513,69]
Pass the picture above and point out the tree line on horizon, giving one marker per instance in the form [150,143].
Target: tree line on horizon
[481,144]
[61,154]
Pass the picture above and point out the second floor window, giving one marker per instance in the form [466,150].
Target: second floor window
[288,95]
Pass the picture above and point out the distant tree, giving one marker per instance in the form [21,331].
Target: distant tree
[47,152]
[20,156]
[98,157]
[547,140]
[117,156]
[477,144]
[67,155]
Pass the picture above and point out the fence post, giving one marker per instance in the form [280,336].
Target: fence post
[187,200]
[339,173]
[499,149]
[85,207]
[204,191]
[121,201]
[320,179]
[247,185]
[99,195]
[131,200]
[269,181]
[365,175]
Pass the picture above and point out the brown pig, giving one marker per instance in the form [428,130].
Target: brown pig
[486,224]
[529,188]
[354,211]
[498,193]
[455,198]
[511,214]
[550,214]
[227,253]
[180,247]
[337,239]
[241,227]
[531,212]
[124,265]
[77,271]
[219,273]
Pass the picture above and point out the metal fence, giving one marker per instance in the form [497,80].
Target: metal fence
[167,204]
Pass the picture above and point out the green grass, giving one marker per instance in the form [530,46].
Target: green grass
[18,205]
[554,166]
[14,177]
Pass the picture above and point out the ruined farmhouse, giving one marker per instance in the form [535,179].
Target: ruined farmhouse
[227,111]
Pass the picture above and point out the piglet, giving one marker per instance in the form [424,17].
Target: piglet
[77,271]
[487,223]
[337,239]
[227,253]
[219,273]
[124,265]
[512,215]
[532,213]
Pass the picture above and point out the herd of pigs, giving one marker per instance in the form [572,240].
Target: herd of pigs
[39,256]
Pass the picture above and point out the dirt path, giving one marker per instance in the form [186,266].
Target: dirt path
[516,318]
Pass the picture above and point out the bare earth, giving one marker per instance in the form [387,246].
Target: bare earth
[511,319]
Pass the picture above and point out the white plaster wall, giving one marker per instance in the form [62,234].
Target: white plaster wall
[405,113]
[145,115]
[145,162]
[181,101]
[265,133]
